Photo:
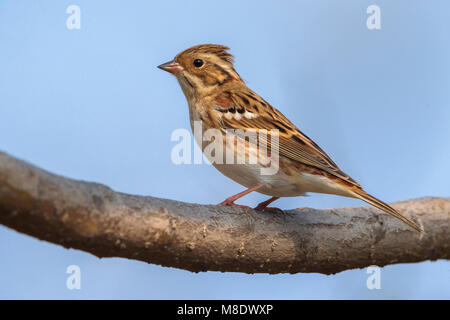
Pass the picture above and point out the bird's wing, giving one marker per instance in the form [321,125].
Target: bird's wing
[245,110]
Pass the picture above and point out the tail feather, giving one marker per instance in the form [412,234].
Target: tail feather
[361,194]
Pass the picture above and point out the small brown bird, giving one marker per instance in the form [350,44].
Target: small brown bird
[219,98]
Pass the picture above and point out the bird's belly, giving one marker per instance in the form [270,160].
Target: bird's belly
[279,177]
[249,175]
[280,184]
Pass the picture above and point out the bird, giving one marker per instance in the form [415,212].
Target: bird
[220,100]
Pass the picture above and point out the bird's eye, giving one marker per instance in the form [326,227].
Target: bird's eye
[198,63]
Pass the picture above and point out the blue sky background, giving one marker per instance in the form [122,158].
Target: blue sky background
[90,104]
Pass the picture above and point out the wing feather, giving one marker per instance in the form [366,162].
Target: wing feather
[293,144]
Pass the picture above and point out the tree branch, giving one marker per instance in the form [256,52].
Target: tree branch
[93,218]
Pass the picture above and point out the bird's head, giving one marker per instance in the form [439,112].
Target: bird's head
[202,68]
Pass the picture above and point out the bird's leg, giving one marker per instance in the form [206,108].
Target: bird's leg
[263,206]
[230,201]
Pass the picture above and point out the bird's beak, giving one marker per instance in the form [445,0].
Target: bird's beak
[172,66]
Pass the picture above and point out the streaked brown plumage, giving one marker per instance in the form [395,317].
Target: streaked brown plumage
[218,97]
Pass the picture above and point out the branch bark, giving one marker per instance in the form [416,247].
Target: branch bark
[93,218]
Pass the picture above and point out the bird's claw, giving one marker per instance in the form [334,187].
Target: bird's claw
[232,204]
[270,209]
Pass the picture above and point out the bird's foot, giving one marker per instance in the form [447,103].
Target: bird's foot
[230,201]
[263,206]
[269,209]
[232,204]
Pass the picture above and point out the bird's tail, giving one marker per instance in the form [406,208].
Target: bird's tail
[361,194]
